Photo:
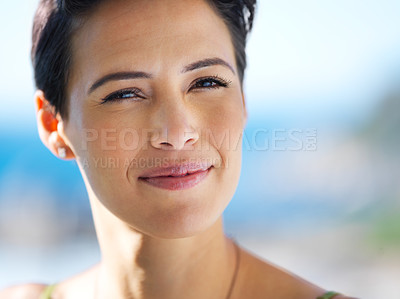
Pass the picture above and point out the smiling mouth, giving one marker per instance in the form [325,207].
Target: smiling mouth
[176,178]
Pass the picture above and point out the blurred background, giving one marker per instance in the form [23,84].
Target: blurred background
[320,186]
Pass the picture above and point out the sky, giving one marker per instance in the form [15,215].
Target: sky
[318,58]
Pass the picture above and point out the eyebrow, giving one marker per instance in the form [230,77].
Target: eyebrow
[139,75]
[118,76]
[205,63]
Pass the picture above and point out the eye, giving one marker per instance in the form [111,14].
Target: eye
[124,94]
[213,82]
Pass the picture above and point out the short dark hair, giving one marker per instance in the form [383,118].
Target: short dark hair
[56,20]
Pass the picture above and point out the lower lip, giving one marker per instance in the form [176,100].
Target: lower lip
[177,183]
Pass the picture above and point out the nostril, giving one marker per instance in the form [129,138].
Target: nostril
[173,139]
[166,145]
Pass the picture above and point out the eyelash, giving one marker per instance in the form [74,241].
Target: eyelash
[127,93]
[130,93]
[214,79]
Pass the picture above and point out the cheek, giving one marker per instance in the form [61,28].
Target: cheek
[104,146]
[98,132]
[224,128]
[223,131]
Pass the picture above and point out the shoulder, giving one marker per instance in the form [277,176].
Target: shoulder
[79,286]
[26,291]
[258,278]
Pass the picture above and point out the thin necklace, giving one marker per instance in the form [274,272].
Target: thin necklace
[237,250]
[228,296]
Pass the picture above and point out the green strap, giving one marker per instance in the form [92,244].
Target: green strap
[47,292]
[328,295]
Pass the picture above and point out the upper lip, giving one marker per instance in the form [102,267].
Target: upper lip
[175,170]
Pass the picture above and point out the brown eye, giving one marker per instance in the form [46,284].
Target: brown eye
[124,94]
[207,83]
[210,83]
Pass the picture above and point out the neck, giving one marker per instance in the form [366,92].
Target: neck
[136,265]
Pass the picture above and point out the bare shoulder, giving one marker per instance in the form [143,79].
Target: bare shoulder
[79,286]
[258,278]
[26,291]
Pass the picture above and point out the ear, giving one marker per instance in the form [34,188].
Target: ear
[49,128]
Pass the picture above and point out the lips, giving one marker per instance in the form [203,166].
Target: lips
[177,177]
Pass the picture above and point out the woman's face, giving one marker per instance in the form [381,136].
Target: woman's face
[156,114]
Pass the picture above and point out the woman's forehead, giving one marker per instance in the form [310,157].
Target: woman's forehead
[149,36]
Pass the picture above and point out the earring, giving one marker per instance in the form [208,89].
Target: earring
[62,153]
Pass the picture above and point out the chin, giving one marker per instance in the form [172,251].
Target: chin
[181,223]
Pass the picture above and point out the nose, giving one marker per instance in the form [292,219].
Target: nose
[173,130]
